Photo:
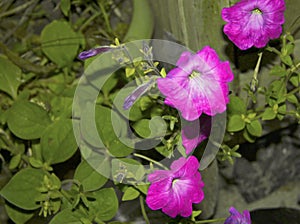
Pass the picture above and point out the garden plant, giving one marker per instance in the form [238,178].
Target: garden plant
[95,114]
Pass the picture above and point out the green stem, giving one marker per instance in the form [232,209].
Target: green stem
[293,91]
[254,81]
[150,160]
[17,9]
[143,210]
[210,221]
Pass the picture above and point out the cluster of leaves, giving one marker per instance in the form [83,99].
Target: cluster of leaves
[279,99]
[39,73]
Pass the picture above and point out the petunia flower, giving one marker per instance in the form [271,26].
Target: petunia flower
[198,84]
[174,191]
[238,218]
[194,132]
[254,23]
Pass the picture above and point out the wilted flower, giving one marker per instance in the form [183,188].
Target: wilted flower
[194,132]
[174,191]
[254,23]
[238,218]
[198,84]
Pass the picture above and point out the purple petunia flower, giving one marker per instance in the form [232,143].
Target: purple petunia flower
[174,191]
[94,51]
[254,23]
[198,84]
[238,218]
[194,132]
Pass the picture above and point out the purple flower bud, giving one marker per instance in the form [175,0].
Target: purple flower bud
[138,92]
[93,52]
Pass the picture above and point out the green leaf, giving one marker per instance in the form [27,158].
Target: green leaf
[236,106]
[65,6]
[67,216]
[22,191]
[105,205]
[17,215]
[235,123]
[295,80]
[27,120]
[250,138]
[10,77]
[130,194]
[277,70]
[110,132]
[268,114]
[58,142]
[254,128]
[60,43]
[110,83]
[156,127]
[130,168]
[287,60]
[89,177]
[15,161]
[292,99]
[61,106]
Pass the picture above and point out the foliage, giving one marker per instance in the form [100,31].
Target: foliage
[38,78]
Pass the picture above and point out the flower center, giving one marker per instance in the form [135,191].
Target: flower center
[174,181]
[194,74]
[257,11]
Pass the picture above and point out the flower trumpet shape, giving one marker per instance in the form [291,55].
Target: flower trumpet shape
[174,191]
[254,23]
[198,84]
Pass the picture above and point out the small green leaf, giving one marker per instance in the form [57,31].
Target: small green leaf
[235,123]
[278,70]
[15,161]
[105,205]
[58,142]
[254,128]
[60,43]
[250,138]
[89,177]
[129,71]
[130,194]
[17,215]
[292,99]
[287,60]
[268,114]
[236,105]
[10,77]
[22,189]
[295,80]
[27,120]
[65,6]
[67,216]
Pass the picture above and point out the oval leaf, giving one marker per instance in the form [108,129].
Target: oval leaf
[27,120]
[106,204]
[21,190]
[89,177]
[130,194]
[10,77]
[60,43]
[58,142]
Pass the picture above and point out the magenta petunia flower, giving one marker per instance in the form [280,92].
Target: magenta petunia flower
[238,218]
[198,84]
[254,23]
[194,132]
[174,191]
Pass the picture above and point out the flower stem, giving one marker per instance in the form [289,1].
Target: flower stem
[143,210]
[254,82]
[210,221]
[150,160]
